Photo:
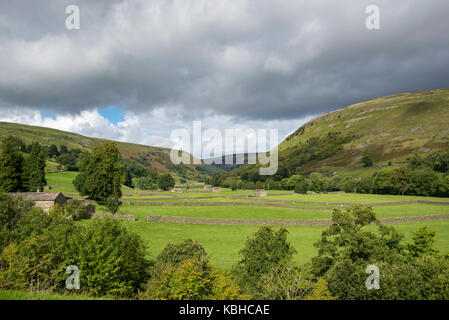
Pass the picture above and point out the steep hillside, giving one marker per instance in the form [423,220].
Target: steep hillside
[145,156]
[387,129]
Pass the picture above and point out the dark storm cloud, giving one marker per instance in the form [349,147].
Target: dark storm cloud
[252,59]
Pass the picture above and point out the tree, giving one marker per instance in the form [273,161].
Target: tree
[263,251]
[11,162]
[34,169]
[401,180]
[175,254]
[441,187]
[347,239]
[146,183]
[286,282]
[423,243]
[113,204]
[191,280]
[104,173]
[367,161]
[127,178]
[301,187]
[111,258]
[318,182]
[53,151]
[75,210]
[165,181]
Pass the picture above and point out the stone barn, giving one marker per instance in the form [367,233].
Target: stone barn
[177,190]
[216,189]
[260,193]
[44,200]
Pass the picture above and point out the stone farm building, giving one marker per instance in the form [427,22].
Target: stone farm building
[44,200]
[259,193]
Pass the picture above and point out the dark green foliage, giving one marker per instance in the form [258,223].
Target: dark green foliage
[80,183]
[53,151]
[113,204]
[441,187]
[36,249]
[411,271]
[165,181]
[11,162]
[11,211]
[75,210]
[146,183]
[216,180]
[34,169]
[17,142]
[301,187]
[69,159]
[175,254]
[104,173]
[347,238]
[111,259]
[439,160]
[367,161]
[37,263]
[318,182]
[127,178]
[263,251]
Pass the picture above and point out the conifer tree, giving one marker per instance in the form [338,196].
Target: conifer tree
[11,161]
[34,169]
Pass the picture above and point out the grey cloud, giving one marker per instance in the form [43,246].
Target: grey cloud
[249,59]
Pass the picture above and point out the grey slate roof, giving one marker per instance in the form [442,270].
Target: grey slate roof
[37,196]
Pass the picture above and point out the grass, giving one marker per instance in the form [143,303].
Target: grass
[25,295]
[224,242]
[225,212]
[61,178]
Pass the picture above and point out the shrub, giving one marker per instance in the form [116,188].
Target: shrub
[37,263]
[113,204]
[367,161]
[76,210]
[146,183]
[301,187]
[441,187]
[110,258]
[165,181]
[11,211]
[175,254]
[191,280]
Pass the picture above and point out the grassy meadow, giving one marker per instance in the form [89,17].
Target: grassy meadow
[224,242]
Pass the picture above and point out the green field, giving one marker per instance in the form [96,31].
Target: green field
[62,179]
[224,242]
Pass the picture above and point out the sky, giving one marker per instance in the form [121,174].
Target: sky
[136,70]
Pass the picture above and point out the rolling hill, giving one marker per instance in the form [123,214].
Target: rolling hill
[141,155]
[388,130]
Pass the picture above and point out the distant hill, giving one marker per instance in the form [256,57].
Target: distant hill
[141,155]
[231,159]
[387,129]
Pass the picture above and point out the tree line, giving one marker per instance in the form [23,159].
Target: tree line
[422,176]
